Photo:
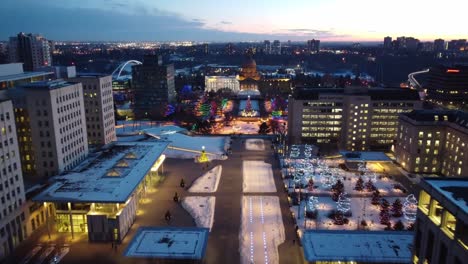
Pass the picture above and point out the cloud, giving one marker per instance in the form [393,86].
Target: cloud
[309,32]
[121,21]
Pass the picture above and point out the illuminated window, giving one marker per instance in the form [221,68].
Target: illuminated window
[448,224]
[435,213]
[424,200]
[418,160]
[421,134]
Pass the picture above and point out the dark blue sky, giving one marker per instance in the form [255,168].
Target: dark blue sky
[240,20]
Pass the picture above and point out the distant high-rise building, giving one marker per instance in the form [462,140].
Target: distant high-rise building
[276,47]
[457,45]
[448,86]
[412,44]
[267,47]
[400,43]
[12,220]
[313,45]
[230,50]
[388,42]
[99,107]
[439,45]
[33,50]
[153,86]
[50,120]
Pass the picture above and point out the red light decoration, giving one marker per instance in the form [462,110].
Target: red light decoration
[453,71]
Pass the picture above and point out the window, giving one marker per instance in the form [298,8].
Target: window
[424,200]
[435,212]
[449,224]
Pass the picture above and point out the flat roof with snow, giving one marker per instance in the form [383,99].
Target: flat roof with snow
[359,246]
[168,243]
[357,156]
[109,177]
[455,190]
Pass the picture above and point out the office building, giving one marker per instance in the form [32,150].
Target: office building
[267,47]
[33,50]
[442,222]
[99,108]
[12,220]
[353,118]
[101,196]
[51,128]
[313,46]
[12,75]
[433,141]
[448,86]
[388,42]
[276,47]
[439,45]
[457,45]
[153,86]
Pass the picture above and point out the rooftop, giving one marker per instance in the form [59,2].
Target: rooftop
[365,156]
[50,85]
[169,243]
[455,190]
[109,177]
[453,116]
[21,76]
[365,246]
[376,94]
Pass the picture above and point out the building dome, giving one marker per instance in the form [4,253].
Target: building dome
[249,70]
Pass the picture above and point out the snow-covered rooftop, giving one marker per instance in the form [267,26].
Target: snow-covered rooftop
[169,243]
[109,177]
[359,246]
[365,156]
[456,190]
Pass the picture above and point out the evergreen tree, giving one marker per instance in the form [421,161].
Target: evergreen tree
[399,226]
[359,185]
[410,227]
[384,217]
[384,204]
[337,189]
[375,197]
[397,208]
[370,186]
[339,218]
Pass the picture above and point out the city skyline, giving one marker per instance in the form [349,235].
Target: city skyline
[116,20]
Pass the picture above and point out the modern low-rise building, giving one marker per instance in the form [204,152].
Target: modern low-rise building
[353,118]
[442,222]
[99,108]
[433,141]
[100,197]
[12,220]
[448,86]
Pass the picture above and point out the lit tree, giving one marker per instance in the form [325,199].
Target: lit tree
[311,184]
[384,204]
[344,203]
[397,208]
[410,208]
[359,185]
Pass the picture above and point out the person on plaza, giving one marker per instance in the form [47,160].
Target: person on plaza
[168,215]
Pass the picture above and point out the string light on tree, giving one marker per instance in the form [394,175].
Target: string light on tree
[344,203]
[410,208]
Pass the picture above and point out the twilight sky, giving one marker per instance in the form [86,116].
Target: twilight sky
[234,20]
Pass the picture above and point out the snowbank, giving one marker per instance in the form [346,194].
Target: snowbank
[262,229]
[208,182]
[257,177]
[201,209]
[255,144]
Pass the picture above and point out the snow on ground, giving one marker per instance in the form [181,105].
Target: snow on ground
[262,229]
[361,208]
[240,127]
[208,182]
[201,208]
[255,144]
[257,176]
